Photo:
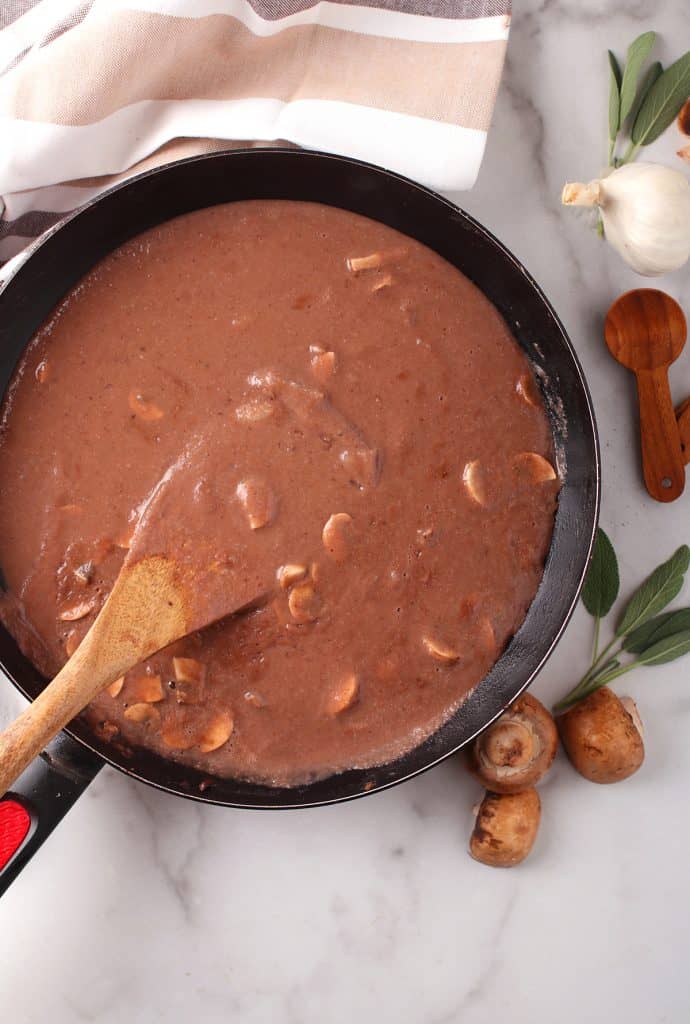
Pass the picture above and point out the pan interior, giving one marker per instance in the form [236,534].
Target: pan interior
[157,196]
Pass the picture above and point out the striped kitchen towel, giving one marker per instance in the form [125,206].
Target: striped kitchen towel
[94,91]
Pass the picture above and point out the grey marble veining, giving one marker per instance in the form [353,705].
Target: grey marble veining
[145,908]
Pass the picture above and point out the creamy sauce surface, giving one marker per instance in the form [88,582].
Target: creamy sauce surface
[351,418]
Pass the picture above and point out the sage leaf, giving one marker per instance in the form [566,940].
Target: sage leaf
[614,98]
[638,51]
[668,649]
[663,102]
[650,76]
[657,629]
[602,582]
[656,592]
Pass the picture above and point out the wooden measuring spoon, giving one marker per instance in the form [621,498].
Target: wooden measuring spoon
[645,331]
[683,418]
[178,577]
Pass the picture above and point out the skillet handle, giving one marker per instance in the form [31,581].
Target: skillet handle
[39,800]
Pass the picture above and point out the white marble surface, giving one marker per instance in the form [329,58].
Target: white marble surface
[146,908]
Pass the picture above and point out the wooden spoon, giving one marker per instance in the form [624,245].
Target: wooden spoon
[645,331]
[200,550]
[167,587]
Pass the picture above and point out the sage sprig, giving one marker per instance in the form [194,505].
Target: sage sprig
[614,103]
[656,629]
[661,105]
[650,76]
[638,51]
[656,592]
[648,104]
[602,584]
[645,634]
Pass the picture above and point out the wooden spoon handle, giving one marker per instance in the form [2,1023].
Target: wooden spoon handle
[662,459]
[142,614]
[73,687]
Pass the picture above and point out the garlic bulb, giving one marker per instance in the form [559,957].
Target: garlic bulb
[646,213]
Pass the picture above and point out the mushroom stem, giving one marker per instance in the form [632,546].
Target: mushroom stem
[509,744]
[631,707]
[577,193]
[516,751]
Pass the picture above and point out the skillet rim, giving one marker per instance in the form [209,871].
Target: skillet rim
[353,783]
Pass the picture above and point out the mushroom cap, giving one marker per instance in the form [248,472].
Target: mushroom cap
[601,737]
[505,828]
[516,751]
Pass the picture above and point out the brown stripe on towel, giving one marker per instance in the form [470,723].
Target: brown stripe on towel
[69,21]
[15,61]
[272,10]
[30,224]
[9,12]
[146,56]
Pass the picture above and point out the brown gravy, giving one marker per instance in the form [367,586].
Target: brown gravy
[358,408]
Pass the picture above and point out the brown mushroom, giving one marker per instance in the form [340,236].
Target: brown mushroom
[505,828]
[517,750]
[602,737]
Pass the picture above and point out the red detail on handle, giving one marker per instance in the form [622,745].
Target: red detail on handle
[15,822]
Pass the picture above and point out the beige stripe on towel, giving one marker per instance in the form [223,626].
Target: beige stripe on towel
[192,57]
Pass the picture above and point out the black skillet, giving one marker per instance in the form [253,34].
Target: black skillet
[50,787]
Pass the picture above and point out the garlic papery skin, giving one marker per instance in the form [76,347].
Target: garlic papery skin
[645,209]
